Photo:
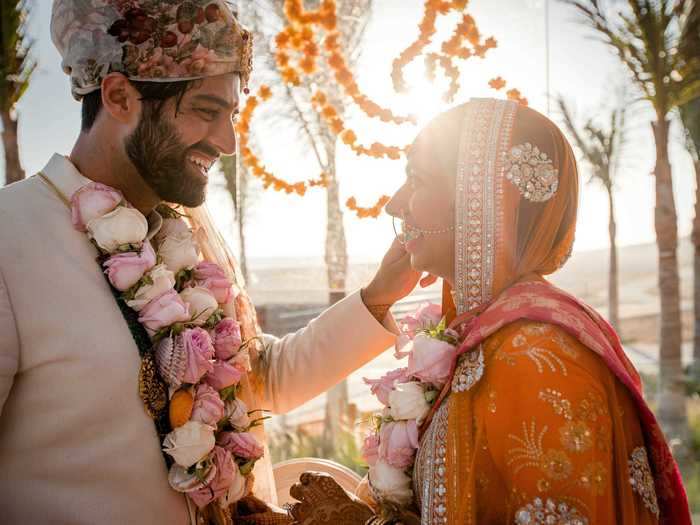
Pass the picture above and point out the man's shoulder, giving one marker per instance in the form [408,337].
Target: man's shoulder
[28,206]
[16,196]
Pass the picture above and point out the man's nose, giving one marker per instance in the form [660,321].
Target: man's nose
[224,138]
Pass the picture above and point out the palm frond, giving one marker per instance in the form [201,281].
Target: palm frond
[16,63]
[646,36]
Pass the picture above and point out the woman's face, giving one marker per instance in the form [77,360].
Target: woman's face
[426,203]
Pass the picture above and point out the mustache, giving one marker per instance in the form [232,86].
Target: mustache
[206,149]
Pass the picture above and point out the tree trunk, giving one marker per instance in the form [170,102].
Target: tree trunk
[336,259]
[13,168]
[695,237]
[613,287]
[237,187]
[671,395]
[243,219]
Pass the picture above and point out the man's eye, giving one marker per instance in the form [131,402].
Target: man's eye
[209,114]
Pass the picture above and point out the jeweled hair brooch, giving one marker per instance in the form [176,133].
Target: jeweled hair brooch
[532,172]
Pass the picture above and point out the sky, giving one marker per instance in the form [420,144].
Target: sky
[581,68]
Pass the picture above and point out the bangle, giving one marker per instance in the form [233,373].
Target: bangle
[378,311]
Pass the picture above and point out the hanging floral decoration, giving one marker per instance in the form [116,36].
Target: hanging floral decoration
[372,211]
[498,84]
[299,47]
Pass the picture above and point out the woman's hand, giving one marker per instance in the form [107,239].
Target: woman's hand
[323,502]
[394,280]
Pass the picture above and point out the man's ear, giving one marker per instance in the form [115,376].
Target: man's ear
[120,99]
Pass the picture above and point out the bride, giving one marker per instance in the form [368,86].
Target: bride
[542,419]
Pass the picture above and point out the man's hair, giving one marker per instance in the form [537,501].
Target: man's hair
[159,92]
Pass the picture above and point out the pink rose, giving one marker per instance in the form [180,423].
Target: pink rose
[431,360]
[210,275]
[163,311]
[223,375]
[92,201]
[227,338]
[226,472]
[241,444]
[370,449]
[398,442]
[199,352]
[385,384]
[427,315]
[124,270]
[208,407]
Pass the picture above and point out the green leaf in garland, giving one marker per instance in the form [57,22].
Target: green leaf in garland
[228,393]
[247,467]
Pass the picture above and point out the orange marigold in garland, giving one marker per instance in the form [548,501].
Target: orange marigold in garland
[253,163]
[335,123]
[372,211]
[426,29]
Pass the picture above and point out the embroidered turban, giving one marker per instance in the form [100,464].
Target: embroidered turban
[148,40]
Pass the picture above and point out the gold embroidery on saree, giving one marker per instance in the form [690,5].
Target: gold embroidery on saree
[576,436]
[548,511]
[642,480]
[593,478]
[556,464]
[539,356]
[429,479]
[561,405]
[470,369]
[529,453]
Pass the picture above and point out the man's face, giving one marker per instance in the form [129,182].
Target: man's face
[174,149]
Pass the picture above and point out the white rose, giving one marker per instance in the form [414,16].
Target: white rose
[183,481]
[407,401]
[163,280]
[121,226]
[237,490]
[391,483]
[178,251]
[189,443]
[171,227]
[237,413]
[202,303]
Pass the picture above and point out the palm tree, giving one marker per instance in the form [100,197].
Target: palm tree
[690,117]
[16,68]
[689,53]
[293,108]
[600,148]
[645,37]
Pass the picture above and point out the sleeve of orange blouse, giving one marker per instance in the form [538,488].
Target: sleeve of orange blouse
[550,434]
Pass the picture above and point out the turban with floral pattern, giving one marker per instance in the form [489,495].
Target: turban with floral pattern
[148,40]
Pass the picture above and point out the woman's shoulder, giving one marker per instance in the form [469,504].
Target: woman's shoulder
[541,349]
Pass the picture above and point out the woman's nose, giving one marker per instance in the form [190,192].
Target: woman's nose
[398,203]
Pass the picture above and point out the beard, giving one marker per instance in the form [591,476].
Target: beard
[159,156]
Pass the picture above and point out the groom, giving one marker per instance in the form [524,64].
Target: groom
[159,85]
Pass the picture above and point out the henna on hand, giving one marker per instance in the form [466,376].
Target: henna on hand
[322,501]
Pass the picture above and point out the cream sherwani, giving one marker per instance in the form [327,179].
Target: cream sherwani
[76,445]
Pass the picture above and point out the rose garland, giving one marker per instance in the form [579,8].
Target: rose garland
[408,395]
[198,352]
